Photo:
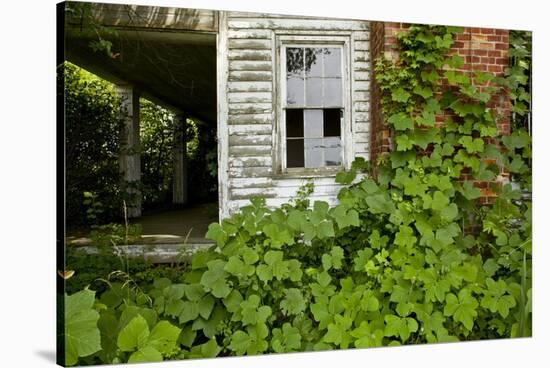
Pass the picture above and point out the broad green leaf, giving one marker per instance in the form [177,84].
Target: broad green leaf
[463,308]
[163,337]
[400,95]
[399,326]
[134,335]
[145,354]
[215,279]
[401,121]
[215,232]
[293,302]
[286,339]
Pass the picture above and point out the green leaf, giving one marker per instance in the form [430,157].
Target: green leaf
[463,308]
[400,95]
[497,299]
[210,349]
[163,337]
[401,121]
[424,92]
[400,326]
[251,311]
[404,142]
[134,335]
[338,332]
[345,217]
[293,302]
[82,336]
[469,191]
[215,232]
[215,279]
[287,339]
[277,235]
[405,237]
[145,354]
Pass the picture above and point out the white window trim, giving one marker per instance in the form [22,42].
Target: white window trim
[282,42]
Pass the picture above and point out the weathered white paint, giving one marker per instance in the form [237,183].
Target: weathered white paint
[223,135]
[130,158]
[179,189]
[252,86]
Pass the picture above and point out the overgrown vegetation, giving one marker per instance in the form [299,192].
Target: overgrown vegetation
[399,260]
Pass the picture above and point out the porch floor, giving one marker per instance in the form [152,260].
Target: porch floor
[188,224]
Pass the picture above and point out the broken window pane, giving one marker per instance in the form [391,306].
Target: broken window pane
[295,123]
[331,122]
[295,153]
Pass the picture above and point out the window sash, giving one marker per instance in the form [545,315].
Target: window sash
[341,41]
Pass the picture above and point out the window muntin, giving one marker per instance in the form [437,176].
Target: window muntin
[313,106]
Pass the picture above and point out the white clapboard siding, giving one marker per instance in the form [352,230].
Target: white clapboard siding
[251,104]
[361,93]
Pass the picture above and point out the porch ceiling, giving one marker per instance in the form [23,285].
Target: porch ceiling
[174,68]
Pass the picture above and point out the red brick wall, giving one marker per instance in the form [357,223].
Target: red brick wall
[483,49]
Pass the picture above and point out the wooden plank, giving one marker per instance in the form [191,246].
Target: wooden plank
[361,137]
[138,16]
[297,23]
[250,44]
[238,54]
[250,108]
[359,55]
[251,161]
[361,106]
[246,193]
[361,36]
[249,140]
[361,116]
[243,151]
[254,129]
[361,147]
[361,86]
[250,172]
[247,76]
[297,182]
[361,66]
[360,128]
[250,65]
[250,33]
[250,97]
[250,87]
[362,46]
[250,119]
[361,96]
[361,76]
[250,183]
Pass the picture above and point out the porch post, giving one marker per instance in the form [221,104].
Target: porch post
[179,195]
[130,156]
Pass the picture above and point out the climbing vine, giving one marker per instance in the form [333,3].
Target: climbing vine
[408,256]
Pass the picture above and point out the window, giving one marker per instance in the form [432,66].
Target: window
[313,109]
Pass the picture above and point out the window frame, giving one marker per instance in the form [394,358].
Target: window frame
[288,41]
